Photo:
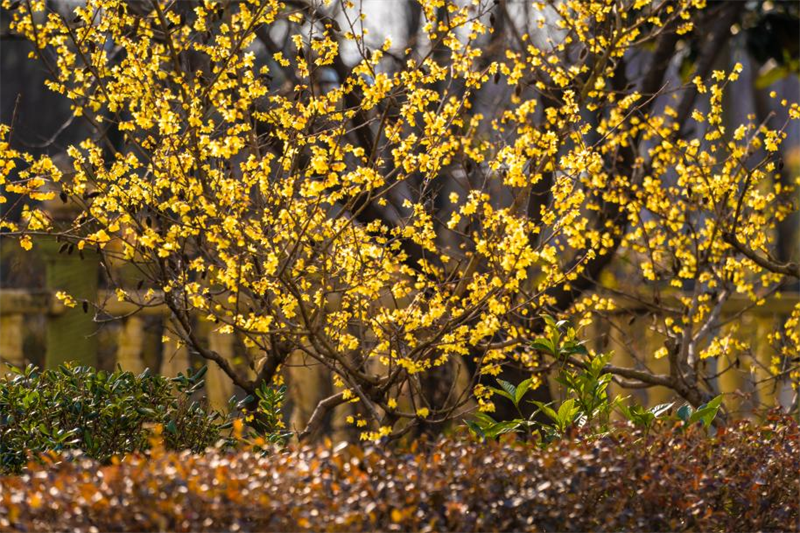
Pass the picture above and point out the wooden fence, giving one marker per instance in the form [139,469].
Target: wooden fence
[743,375]
[20,306]
[627,331]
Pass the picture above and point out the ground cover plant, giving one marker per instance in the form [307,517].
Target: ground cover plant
[742,479]
[665,468]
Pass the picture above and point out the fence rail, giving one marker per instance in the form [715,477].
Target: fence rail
[20,305]
[744,378]
[633,343]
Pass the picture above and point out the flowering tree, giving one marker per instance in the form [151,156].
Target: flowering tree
[386,212]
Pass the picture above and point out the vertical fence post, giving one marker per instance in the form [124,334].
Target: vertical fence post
[130,343]
[219,387]
[174,358]
[762,352]
[309,382]
[733,381]
[616,335]
[71,334]
[11,342]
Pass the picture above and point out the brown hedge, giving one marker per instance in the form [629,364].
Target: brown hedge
[746,478]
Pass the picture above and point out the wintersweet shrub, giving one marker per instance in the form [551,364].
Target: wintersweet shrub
[745,478]
[101,413]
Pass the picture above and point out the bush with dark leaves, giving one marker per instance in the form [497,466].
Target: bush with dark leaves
[744,478]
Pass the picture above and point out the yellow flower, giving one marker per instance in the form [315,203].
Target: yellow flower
[66,299]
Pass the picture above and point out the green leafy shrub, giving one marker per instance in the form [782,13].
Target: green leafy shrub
[265,421]
[101,413]
[589,405]
[742,479]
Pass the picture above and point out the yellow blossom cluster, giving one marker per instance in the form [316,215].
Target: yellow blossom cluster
[390,223]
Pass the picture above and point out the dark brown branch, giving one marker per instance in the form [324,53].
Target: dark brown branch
[768,263]
[318,416]
[716,37]
[189,335]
